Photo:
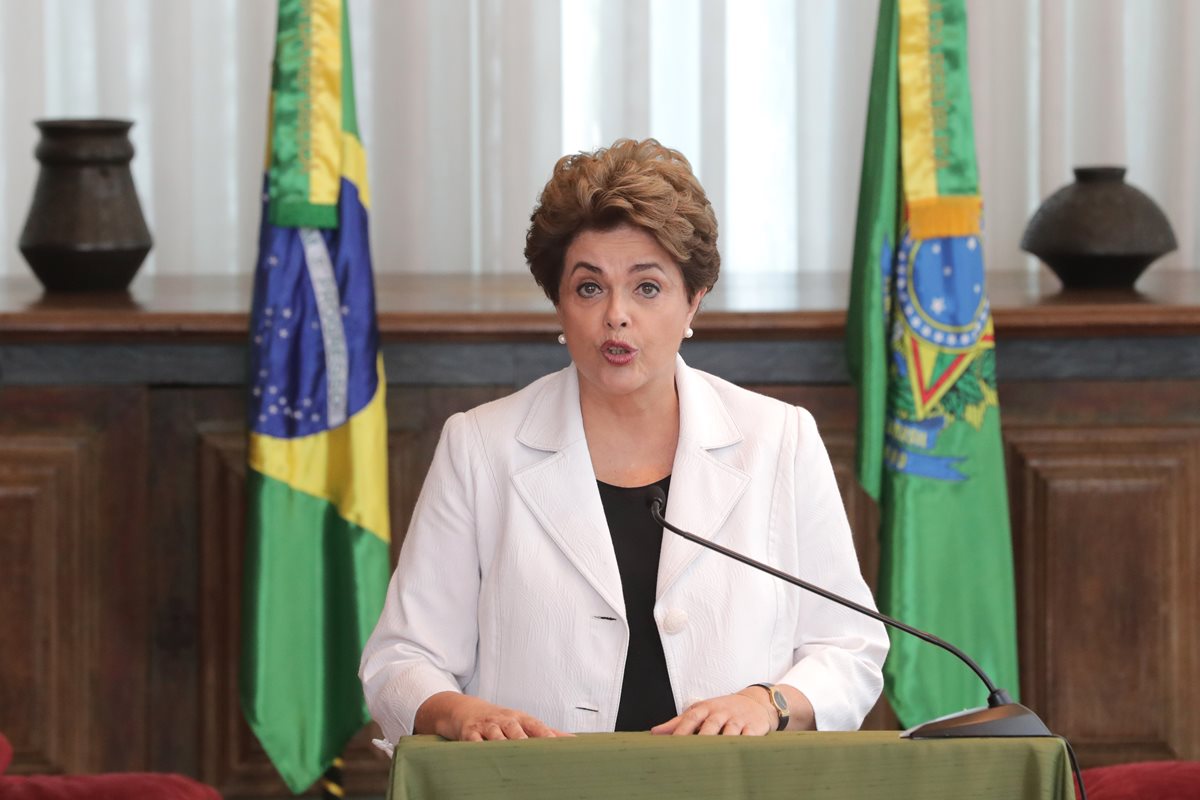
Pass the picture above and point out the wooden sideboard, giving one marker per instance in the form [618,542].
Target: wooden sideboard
[122,466]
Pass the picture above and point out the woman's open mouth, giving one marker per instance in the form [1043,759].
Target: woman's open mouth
[617,353]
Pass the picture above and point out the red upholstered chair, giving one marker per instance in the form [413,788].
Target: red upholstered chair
[1146,780]
[113,786]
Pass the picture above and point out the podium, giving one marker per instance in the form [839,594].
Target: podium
[795,766]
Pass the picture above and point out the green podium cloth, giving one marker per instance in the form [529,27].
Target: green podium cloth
[782,765]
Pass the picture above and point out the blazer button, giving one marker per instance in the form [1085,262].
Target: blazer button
[675,620]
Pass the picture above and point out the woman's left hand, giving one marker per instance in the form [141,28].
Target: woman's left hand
[729,715]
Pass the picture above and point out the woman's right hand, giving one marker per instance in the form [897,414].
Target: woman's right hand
[469,719]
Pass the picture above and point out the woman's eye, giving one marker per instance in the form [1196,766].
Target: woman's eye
[648,289]
[588,289]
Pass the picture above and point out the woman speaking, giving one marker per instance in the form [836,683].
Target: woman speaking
[535,595]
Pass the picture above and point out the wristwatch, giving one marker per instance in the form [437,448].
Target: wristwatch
[780,703]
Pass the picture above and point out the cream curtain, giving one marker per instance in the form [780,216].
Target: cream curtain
[466,104]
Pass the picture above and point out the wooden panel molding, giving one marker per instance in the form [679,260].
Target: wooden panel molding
[72,664]
[123,649]
[1105,528]
[230,757]
[45,577]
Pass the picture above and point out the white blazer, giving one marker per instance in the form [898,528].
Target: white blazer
[507,586]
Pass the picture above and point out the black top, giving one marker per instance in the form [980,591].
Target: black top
[646,697]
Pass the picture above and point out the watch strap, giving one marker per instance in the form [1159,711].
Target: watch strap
[778,702]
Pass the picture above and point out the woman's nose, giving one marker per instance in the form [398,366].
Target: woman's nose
[615,315]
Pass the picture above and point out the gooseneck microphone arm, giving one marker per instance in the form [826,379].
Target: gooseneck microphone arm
[1003,717]
[996,696]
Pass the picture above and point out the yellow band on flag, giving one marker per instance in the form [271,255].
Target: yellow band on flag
[923,107]
[916,102]
[325,111]
[346,465]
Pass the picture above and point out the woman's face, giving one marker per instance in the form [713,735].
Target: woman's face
[623,307]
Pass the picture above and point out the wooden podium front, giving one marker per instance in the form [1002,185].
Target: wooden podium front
[829,766]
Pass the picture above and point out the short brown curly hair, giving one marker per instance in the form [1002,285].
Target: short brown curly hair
[638,183]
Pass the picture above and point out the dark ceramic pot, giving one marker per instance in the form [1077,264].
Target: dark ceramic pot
[85,230]
[1098,232]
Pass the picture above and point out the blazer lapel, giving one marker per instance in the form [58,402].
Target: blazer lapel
[704,489]
[560,490]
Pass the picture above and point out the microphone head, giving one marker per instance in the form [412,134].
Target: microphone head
[656,499]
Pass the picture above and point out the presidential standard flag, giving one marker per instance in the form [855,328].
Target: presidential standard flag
[316,565]
[922,352]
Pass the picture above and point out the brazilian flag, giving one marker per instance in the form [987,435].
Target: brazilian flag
[921,348]
[317,533]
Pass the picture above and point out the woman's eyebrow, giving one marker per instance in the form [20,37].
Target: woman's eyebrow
[585,265]
[648,265]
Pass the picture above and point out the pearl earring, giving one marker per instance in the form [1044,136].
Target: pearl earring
[688,333]
[562,338]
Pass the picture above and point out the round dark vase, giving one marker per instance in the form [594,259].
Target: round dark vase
[1098,232]
[85,230]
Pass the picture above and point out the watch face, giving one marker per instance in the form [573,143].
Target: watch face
[780,700]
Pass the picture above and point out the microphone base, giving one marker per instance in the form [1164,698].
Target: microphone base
[1009,719]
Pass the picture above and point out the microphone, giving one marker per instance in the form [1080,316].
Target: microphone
[1001,717]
